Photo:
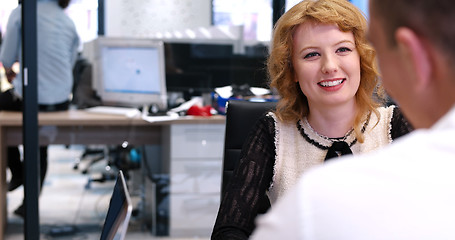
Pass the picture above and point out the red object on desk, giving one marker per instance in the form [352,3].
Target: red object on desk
[196,110]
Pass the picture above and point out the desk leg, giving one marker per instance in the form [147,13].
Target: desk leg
[3,186]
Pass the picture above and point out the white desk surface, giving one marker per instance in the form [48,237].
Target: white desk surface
[79,126]
[81,117]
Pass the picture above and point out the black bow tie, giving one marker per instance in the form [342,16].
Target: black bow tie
[338,149]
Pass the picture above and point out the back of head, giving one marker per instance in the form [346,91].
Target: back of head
[433,20]
[64,3]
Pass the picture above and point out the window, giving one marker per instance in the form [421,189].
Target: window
[254,15]
[361,4]
[84,14]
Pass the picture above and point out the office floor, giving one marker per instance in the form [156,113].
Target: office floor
[67,202]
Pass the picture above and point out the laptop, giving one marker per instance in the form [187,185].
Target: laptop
[119,212]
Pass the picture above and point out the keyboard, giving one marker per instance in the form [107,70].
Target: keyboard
[114,110]
[158,114]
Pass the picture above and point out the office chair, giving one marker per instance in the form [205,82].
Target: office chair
[83,96]
[240,118]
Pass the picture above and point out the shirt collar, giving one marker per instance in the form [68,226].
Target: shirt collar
[446,121]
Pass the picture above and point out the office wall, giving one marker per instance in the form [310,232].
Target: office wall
[140,18]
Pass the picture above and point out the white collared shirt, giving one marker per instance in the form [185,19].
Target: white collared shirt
[404,191]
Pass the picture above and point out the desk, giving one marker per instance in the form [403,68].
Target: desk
[80,127]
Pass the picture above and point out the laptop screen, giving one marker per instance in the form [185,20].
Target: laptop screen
[119,212]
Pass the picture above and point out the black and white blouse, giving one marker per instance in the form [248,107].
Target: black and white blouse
[276,153]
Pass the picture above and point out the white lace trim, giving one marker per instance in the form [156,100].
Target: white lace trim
[271,114]
[392,110]
[325,141]
[294,154]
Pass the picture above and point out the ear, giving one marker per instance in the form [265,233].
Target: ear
[416,57]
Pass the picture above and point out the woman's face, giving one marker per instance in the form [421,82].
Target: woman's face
[327,65]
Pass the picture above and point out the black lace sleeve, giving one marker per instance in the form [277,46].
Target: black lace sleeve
[400,126]
[246,190]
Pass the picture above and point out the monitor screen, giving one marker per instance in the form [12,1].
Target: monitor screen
[200,68]
[136,70]
[129,72]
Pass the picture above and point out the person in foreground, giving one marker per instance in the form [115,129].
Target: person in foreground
[323,68]
[406,190]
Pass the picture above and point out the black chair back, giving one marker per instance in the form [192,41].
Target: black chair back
[240,118]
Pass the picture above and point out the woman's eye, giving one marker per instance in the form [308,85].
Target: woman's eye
[343,49]
[310,55]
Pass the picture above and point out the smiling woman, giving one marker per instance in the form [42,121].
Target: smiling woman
[324,70]
[327,68]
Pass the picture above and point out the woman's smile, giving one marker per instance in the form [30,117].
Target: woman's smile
[331,83]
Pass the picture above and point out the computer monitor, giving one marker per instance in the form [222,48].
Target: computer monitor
[202,67]
[128,71]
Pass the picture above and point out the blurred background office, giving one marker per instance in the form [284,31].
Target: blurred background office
[209,44]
